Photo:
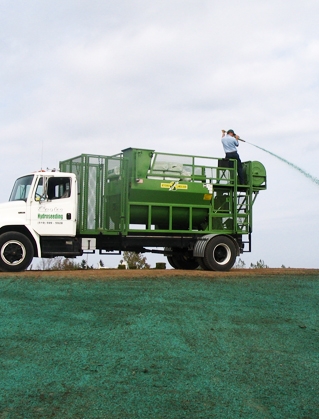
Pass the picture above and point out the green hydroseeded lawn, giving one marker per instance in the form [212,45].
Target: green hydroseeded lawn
[159,348]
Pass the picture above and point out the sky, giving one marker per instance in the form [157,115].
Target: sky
[100,76]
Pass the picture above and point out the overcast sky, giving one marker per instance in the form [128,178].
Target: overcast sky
[99,76]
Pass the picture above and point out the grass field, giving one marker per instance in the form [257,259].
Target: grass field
[159,346]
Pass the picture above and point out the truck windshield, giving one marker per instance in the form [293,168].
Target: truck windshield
[21,188]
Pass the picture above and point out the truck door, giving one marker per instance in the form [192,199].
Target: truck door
[53,205]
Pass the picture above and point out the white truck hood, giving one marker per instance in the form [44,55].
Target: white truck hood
[13,212]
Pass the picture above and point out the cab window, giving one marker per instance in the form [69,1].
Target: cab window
[21,188]
[59,187]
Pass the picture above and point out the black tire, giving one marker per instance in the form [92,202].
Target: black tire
[170,258]
[184,261]
[172,262]
[202,264]
[16,252]
[220,254]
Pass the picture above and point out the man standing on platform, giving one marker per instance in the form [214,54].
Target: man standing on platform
[230,144]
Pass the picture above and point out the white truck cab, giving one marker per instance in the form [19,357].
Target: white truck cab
[42,208]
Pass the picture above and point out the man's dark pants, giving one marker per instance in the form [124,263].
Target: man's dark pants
[235,155]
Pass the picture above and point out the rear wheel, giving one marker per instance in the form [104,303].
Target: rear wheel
[187,262]
[172,262]
[16,252]
[202,264]
[182,261]
[220,254]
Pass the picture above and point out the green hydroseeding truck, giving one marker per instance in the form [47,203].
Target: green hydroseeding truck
[189,208]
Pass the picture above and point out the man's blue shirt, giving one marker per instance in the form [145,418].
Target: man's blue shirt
[230,144]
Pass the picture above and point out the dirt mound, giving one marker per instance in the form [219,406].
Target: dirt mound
[155,273]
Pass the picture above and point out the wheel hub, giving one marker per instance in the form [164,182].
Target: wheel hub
[13,252]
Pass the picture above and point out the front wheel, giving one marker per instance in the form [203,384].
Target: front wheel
[220,254]
[16,252]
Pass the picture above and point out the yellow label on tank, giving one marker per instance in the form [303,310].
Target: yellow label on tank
[173,186]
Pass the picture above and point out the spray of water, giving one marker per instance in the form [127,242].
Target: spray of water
[308,175]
